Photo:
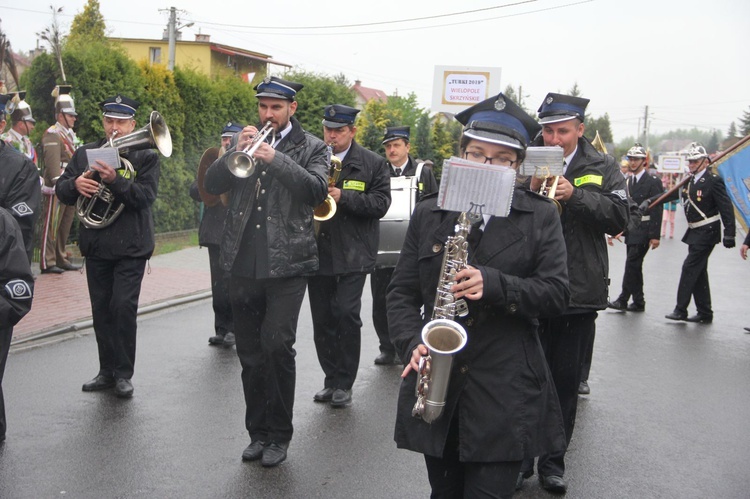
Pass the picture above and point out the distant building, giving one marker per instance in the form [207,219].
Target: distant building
[362,95]
[202,55]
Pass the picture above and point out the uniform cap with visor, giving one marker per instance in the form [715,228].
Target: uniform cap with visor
[230,129]
[499,120]
[120,107]
[559,107]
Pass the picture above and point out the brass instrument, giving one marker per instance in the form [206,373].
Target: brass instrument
[443,336]
[241,163]
[101,209]
[327,209]
[548,188]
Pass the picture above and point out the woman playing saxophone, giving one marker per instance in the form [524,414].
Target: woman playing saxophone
[500,405]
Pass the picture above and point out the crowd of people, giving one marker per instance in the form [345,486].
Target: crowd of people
[529,283]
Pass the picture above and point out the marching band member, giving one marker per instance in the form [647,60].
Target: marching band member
[501,405]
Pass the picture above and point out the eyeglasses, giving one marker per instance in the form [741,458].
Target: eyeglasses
[481,158]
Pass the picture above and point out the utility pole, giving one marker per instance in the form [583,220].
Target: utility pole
[172,30]
[645,128]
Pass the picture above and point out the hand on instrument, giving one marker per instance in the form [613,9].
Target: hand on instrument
[564,189]
[246,138]
[654,243]
[85,185]
[335,193]
[469,284]
[413,364]
[106,173]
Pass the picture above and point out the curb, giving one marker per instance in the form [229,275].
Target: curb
[89,323]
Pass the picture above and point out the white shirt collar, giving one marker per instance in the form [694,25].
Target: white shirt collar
[283,133]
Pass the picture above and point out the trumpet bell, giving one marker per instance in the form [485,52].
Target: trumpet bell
[241,164]
[325,210]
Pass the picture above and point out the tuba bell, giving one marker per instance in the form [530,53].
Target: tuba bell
[327,209]
[102,208]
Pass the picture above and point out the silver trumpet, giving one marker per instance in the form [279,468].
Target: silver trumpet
[241,163]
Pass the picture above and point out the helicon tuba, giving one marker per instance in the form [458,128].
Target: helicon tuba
[443,336]
[101,209]
[327,209]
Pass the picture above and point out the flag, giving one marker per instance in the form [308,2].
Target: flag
[734,167]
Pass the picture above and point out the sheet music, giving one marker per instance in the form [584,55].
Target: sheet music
[108,155]
[476,187]
[543,161]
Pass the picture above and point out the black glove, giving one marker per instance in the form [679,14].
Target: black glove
[728,241]
[643,207]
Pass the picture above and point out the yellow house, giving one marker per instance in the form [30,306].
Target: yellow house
[202,55]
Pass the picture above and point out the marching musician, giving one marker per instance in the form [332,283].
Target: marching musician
[347,247]
[594,202]
[707,205]
[59,143]
[400,164]
[501,405]
[209,235]
[639,239]
[19,185]
[115,255]
[269,247]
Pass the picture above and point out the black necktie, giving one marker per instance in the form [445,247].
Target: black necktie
[398,171]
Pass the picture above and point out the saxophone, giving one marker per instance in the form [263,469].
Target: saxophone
[443,336]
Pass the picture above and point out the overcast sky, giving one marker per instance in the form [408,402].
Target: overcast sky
[687,60]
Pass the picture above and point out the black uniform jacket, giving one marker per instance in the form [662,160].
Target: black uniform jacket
[131,235]
[294,183]
[348,242]
[639,191]
[20,192]
[599,206]
[710,196]
[16,281]
[212,223]
[500,388]
[427,184]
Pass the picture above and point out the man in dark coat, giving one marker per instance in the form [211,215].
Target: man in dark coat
[16,290]
[209,235]
[400,164]
[269,247]
[500,405]
[641,237]
[707,206]
[347,247]
[594,203]
[115,253]
[20,192]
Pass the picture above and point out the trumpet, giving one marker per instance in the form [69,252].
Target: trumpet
[327,209]
[241,163]
[549,186]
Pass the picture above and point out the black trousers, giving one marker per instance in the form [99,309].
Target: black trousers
[694,280]
[114,288]
[6,334]
[379,280]
[564,340]
[265,318]
[632,280]
[335,303]
[222,306]
[451,478]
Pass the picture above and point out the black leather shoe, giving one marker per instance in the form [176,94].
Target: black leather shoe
[747,329]
[618,305]
[216,340]
[553,483]
[124,388]
[676,316]
[254,451]
[274,454]
[229,340]
[324,395]
[100,382]
[583,388]
[341,398]
[385,359]
[521,477]
[637,307]
[69,266]
[700,319]
[53,270]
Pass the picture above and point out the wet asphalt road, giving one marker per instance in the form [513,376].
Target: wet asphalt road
[667,416]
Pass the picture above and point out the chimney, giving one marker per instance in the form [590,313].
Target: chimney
[199,37]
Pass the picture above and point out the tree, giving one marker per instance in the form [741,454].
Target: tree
[575,91]
[89,25]
[601,125]
[319,92]
[745,120]
[732,132]
[421,143]
[52,34]
[517,97]
[373,120]
[713,144]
